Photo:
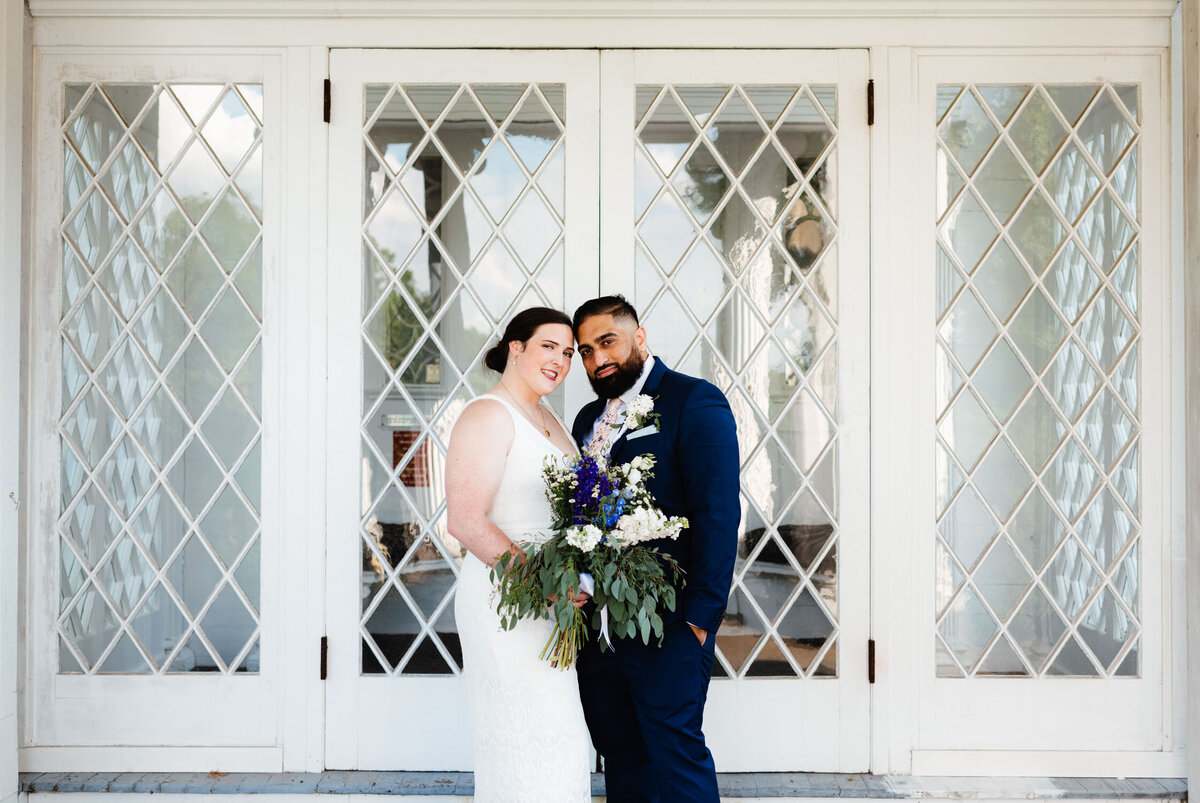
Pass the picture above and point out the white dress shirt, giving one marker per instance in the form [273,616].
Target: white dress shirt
[625,398]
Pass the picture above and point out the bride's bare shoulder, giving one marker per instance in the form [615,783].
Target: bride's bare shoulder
[486,419]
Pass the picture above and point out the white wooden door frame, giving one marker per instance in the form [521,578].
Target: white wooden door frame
[13,78]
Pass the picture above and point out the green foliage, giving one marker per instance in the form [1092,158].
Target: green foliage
[541,582]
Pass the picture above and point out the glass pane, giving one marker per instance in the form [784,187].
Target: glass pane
[477,203]
[151,348]
[1037,469]
[740,198]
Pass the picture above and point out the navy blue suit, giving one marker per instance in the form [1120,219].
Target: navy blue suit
[645,704]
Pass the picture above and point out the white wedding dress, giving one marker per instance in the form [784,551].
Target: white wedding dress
[531,741]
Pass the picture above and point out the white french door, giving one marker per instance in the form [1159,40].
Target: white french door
[451,177]
[724,193]
[735,217]
[1042,469]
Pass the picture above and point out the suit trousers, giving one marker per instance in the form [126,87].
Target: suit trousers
[644,706]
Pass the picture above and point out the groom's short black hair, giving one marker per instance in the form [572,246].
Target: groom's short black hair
[615,306]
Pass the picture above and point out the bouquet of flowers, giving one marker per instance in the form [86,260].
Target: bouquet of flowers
[602,516]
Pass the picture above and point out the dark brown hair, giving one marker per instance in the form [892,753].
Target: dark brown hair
[615,306]
[521,328]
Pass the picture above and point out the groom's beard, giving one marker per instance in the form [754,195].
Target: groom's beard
[621,380]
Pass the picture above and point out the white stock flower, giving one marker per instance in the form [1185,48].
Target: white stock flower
[585,537]
[638,411]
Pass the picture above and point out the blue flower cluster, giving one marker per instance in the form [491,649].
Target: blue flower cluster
[610,512]
[592,489]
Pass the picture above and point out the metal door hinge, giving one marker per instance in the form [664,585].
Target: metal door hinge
[327,101]
[870,660]
[870,102]
[324,657]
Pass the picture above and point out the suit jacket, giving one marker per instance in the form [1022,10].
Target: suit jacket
[696,474]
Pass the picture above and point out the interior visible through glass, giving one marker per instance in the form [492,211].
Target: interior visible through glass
[736,279]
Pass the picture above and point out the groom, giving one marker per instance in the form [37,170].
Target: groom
[645,704]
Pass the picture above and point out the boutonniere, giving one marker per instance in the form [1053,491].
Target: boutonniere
[640,412]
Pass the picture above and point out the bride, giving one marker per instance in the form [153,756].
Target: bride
[531,742]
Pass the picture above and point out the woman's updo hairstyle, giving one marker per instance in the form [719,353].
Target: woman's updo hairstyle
[521,328]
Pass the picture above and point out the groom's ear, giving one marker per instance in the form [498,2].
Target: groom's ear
[639,337]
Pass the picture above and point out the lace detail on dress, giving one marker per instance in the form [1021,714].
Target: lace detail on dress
[530,740]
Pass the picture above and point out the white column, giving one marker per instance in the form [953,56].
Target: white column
[1191,266]
[12,82]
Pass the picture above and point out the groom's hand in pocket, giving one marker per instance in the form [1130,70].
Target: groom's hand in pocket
[700,633]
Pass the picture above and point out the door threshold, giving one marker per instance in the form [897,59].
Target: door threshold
[734,786]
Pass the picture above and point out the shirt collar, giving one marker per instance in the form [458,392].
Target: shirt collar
[633,392]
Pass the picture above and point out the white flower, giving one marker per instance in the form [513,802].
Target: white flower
[585,537]
[647,524]
[638,411]
[634,476]
[642,462]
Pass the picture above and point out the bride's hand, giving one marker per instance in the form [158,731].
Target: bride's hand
[578,598]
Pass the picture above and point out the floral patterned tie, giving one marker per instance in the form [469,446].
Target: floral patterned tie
[599,442]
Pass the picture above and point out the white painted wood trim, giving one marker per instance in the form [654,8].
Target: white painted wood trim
[14,76]
[495,29]
[585,256]
[895,568]
[151,759]
[607,8]
[617,250]
[304,210]
[1190,185]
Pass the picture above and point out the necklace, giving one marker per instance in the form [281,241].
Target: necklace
[545,429]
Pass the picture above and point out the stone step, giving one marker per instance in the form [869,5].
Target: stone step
[444,787]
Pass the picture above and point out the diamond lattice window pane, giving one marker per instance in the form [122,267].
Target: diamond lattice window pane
[1036,132]
[1071,182]
[968,231]
[462,226]
[967,132]
[1001,579]
[146,334]
[1002,280]
[1002,182]
[736,191]
[1061,484]
[967,626]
